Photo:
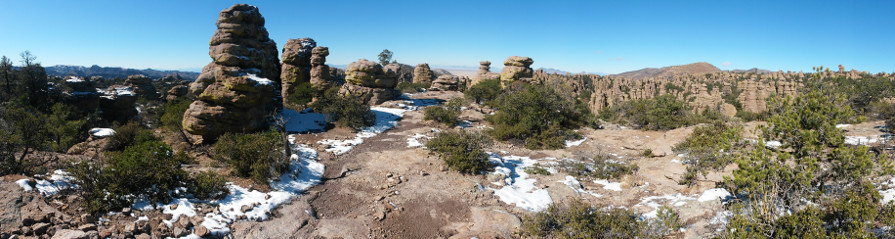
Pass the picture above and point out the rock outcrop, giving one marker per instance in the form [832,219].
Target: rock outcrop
[516,68]
[422,74]
[484,73]
[118,103]
[445,82]
[368,80]
[296,68]
[320,72]
[142,86]
[240,87]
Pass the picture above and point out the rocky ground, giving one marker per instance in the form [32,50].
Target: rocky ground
[390,186]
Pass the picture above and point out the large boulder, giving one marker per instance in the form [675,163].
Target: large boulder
[516,68]
[241,86]
[296,66]
[370,95]
[142,86]
[370,74]
[445,82]
[82,95]
[422,74]
[118,103]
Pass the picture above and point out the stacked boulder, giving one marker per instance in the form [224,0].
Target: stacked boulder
[296,64]
[240,87]
[446,82]
[516,68]
[117,103]
[320,76]
[484,73]
[422,74]
[368,80]
[83,95]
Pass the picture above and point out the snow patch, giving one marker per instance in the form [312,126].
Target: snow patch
[841,126]
[59,180]
[101,132]
[609,186]
[576,186]
[302,122]
[24,183]
[889,195]
[860,140]
[654,203]
[570,143]
[714,194]
[518,188]
[386,118]
[773,144]
[414,141]
[259,80]
[74,79]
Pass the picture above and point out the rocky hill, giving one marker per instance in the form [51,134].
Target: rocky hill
[698,68]
[114,72]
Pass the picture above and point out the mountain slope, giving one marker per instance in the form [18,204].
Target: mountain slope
[692,69]
[113,72]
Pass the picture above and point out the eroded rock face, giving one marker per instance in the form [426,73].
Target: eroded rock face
[371,82]
[422,74]
[240,87]
[446,82]
[320,73]
[516,68]
[296,70]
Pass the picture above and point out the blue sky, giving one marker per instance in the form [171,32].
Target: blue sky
[576,36]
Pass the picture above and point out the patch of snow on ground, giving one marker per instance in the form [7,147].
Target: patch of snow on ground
[259,80]
[386,118]
[773,144]
[302,122]
[860,140]
[570,143]
[414,141]
[654,203]
[714,194]
[58,181]
[24,183]
[609,186]
[518,188]
[101,132]
[840,126]
[74,79]
[889,195]
[577,187]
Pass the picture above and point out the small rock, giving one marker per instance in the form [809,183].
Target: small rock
[105,233]
[401,179]
[143,236]
[126,210]
[245,208]
[40,228]
[87,227]
[87,218]
[388,175]
[70,234]
[423,173]
[183,221]
[26,230]
[174,207]
[180,232]
[201,231]
[267,197]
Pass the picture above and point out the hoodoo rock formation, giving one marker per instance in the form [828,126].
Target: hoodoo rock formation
[240,87]
[484,73]
[516,68]
[296,64]
[370,82]
[422,74]
[320,76]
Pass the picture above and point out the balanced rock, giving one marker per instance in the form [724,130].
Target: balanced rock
[516,68]
[368,81]
[484,73]
[240,87]
[177,91]
[320,77]
[296,64]
[422,74]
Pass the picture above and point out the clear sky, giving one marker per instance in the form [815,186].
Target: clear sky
[576,36]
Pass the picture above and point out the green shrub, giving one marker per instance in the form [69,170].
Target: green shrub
[537,169]
[208,185]
[172,113]
[598,167]
[535,115]
[664,112]
[667,220]
[410,87]
[129,134]
[647,153]
[258,156]
[579,220]
[484,91]
[145,170]
[709,147]
[443,114]
[23,131]
[749,116]
[345,110]
[462,150]
[300,95]
[67,130]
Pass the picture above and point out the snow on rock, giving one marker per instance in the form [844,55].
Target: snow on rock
[570,143]
[386,118]
[59,180]
[101,132]
[655,202]
[860,140]
[773,144]
[609,186]
[414,141]
[73,79]
[259,80]
[518,188]
[302,122]
[576,186]
[889,194]
[714,194]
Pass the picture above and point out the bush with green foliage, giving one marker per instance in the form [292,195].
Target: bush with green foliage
[535,115]
[345,110]
[664,112]
[148,169]
[811,185]
[208,185]
[23,131]
[68,130]
[172,113]
[258,156]
[128,134]
[537,169]
[709,147]
[462,150]
[410,87]
[300,95]
[484,91]
[579,220]
[597,167]
[446,114]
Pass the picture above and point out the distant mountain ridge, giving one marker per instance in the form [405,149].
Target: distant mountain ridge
[692,69]
[114,72]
